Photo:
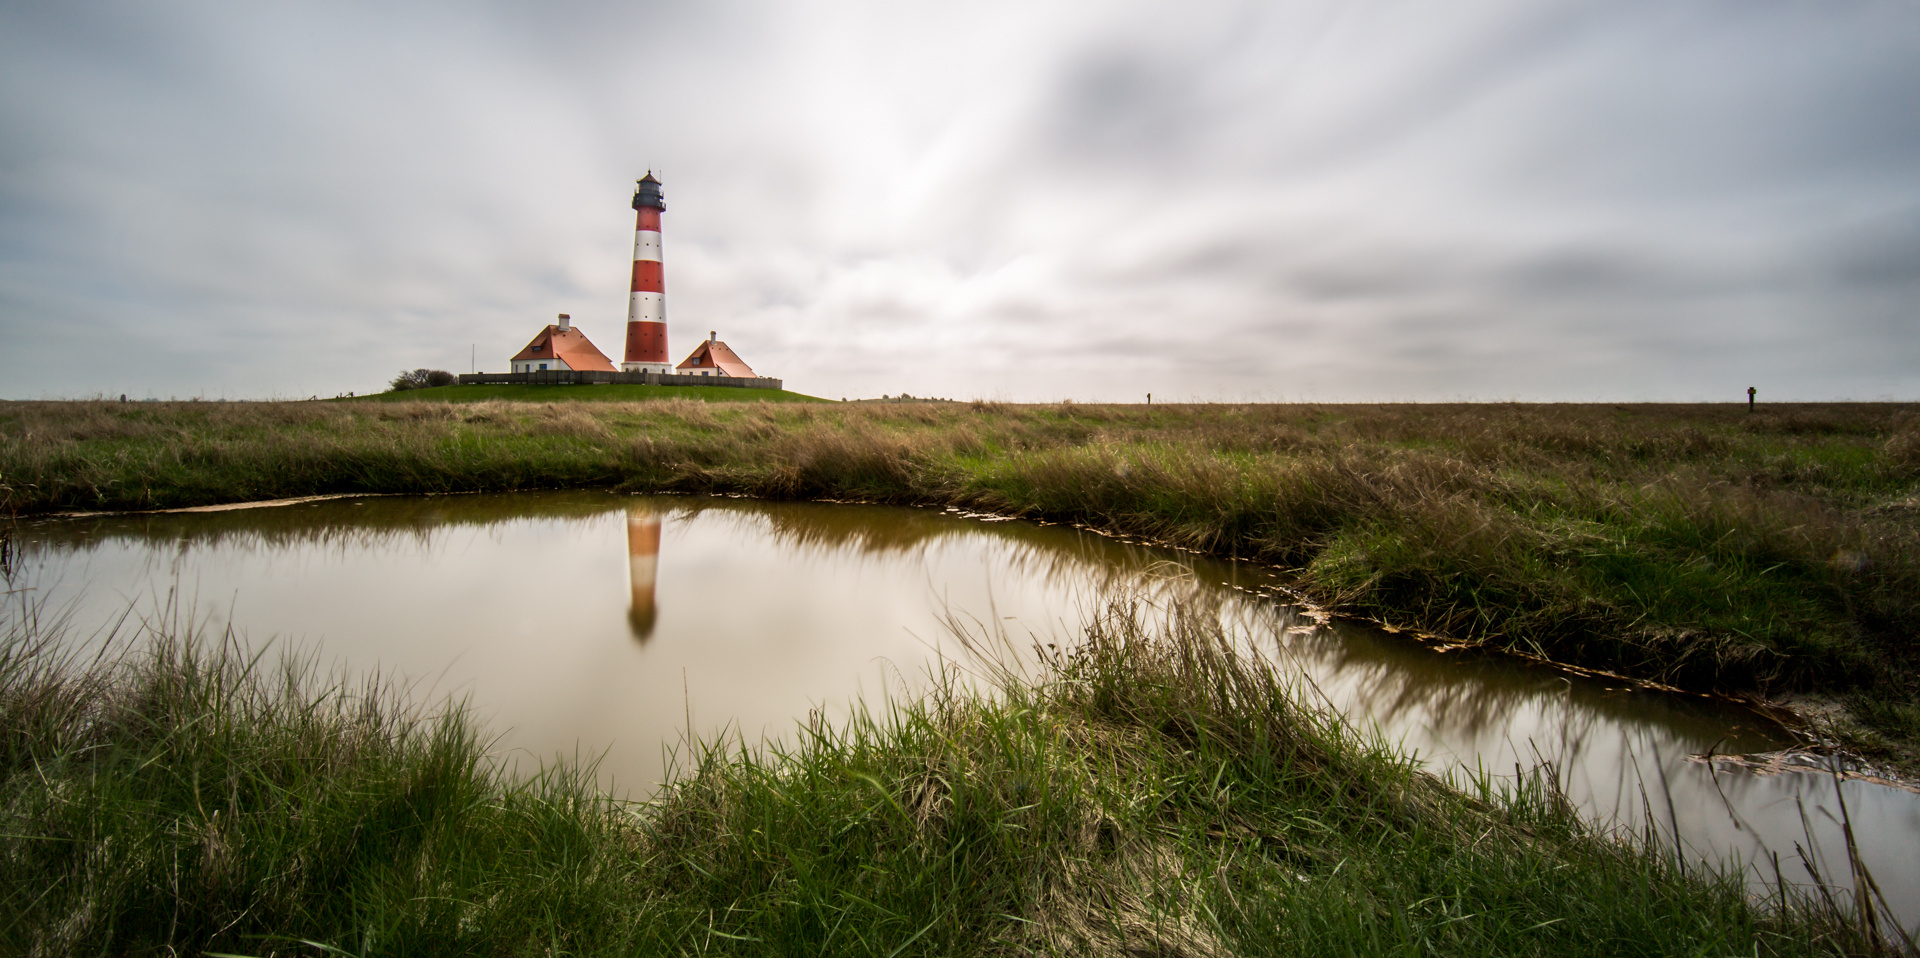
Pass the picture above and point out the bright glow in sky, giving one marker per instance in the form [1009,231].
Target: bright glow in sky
[1486,199]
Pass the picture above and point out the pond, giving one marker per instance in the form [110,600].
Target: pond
[596,626]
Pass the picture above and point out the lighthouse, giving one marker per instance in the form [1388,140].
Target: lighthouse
[647,303]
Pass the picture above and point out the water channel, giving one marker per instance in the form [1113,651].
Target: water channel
[592,625]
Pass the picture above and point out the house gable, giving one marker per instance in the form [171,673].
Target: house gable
[713,357]
[559,348]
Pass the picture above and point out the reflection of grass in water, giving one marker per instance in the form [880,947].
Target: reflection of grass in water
[378,522]
[367,524]
[1153,793]
[821,529]
[1086,561]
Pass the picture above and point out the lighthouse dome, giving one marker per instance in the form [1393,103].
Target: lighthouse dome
[647,193]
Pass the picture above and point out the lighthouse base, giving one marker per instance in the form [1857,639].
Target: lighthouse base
[661,368]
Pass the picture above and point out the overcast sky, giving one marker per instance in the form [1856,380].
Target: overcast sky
[1606,200]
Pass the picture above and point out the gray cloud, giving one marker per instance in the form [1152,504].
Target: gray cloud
[1308,200]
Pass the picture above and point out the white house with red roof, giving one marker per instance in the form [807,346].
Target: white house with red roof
[560,346]
[714,358]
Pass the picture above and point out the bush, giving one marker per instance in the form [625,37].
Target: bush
[421,379]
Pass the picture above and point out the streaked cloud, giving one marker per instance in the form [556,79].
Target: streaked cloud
[1379,200]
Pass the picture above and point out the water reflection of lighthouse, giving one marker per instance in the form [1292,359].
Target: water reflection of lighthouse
[643,565]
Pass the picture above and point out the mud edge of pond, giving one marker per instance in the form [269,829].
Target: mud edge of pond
[221,507]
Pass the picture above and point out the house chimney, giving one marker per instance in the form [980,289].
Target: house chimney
[712,335]
[566,323]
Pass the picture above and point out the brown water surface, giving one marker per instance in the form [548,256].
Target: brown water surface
[589,624]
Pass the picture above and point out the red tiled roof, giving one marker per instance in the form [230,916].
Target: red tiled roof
[570,346]
[715,355]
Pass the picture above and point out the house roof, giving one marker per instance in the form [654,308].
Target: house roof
[570,345]
[713,354]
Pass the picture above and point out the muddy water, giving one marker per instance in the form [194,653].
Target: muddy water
[593,625]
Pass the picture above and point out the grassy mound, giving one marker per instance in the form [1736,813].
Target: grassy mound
[606,392]
[1151,792]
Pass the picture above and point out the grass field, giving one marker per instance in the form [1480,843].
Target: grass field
[1700,546]
[1152,793]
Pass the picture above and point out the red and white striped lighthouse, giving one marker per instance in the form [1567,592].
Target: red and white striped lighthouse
[647,305]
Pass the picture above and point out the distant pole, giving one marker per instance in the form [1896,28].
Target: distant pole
[473,357]
[1749,398]
[1149,399]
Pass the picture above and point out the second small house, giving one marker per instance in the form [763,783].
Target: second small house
[560,346]
[714,358]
